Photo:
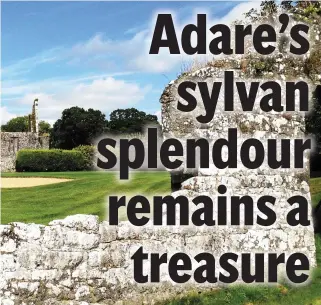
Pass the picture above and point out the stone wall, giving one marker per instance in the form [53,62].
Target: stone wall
[12,142]
[79,261]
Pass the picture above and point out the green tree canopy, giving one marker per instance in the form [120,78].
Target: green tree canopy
[77,126]
[44,127]
[21,124]
[301,10]
[18,124]
[130,120]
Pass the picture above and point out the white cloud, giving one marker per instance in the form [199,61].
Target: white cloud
[159,115]
[21,87]
[135,51]
[164,62]
[105,94]
[101,51]
[96,44]
[100,91]
[27,64]
[6,115]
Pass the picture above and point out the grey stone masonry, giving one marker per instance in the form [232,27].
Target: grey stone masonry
[12,142]
[80,261]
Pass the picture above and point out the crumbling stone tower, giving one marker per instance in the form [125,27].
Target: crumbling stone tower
[33,118]
[281,183]
[12,142]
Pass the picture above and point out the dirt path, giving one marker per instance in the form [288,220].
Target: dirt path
[29,182]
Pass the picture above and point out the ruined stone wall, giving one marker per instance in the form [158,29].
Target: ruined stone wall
[79,261]
[12,142]
[280,183]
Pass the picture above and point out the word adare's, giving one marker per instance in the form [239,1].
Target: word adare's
[264,37]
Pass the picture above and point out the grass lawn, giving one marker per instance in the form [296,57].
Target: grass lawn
[87,194]
[261,295]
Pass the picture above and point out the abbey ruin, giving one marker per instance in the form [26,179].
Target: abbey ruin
[12,142]
[80,261]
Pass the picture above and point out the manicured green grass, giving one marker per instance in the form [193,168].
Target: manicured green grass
[87,193]
[261,295]
[315,189]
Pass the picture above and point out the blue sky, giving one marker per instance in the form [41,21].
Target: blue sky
[92,54]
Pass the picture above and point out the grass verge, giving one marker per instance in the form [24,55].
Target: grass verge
[86,194]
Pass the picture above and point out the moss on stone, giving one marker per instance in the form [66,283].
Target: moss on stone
[313,64]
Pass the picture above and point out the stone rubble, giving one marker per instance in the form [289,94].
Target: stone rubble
[78,260]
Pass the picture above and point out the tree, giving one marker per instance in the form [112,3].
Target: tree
[77,127]
[21,124]
[300,10]
[18,124]
[130,120]
[44,127]
[266,11]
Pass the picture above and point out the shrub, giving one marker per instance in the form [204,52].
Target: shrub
[50,160]
[88,152]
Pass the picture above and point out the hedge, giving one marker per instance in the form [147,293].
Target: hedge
[50,160]
[88,151]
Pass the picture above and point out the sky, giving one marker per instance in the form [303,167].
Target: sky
[93,54]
